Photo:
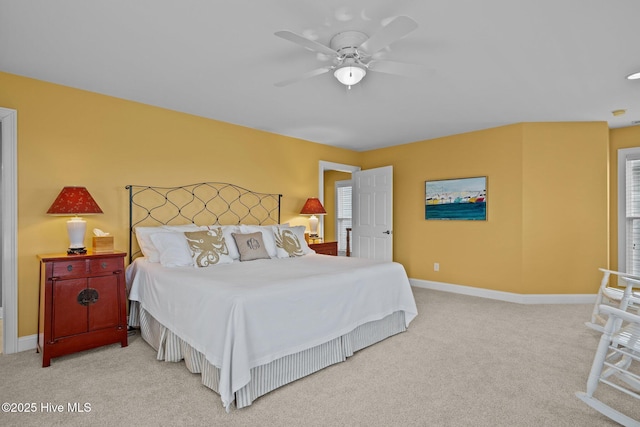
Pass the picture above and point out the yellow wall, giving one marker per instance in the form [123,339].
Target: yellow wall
[547,226]
[565,206]
[73,137]
[620,138]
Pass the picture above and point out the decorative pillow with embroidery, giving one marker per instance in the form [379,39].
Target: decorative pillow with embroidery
[208,247]
[251,246]
[267,236]
[290,242]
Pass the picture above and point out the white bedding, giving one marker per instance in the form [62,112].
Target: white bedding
[246,314]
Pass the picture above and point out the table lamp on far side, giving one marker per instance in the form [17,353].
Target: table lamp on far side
[313,207]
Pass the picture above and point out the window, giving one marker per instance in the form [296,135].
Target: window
[343,213]
[629,210]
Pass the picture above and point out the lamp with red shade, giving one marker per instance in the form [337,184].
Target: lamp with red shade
[74,201]
[313,207]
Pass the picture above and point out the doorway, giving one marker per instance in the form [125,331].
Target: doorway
[343,214]
[372,209]
[323,167]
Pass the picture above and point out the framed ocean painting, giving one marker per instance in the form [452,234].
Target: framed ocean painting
[456,199]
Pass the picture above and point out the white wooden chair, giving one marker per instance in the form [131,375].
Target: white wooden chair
[623,298]
[616,363]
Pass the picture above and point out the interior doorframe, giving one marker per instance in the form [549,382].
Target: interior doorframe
[9,219]
[330,166]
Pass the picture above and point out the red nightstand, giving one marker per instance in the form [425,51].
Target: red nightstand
[82,303]
[326,248]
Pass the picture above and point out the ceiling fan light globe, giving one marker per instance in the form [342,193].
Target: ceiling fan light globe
[349,75]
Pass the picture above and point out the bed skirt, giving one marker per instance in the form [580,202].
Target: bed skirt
[270,376]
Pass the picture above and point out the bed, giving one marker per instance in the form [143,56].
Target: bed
[260,310]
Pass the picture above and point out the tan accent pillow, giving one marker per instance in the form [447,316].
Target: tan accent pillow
[290,242]
[208,247]
[251,246]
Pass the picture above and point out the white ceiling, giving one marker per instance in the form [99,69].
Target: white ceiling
[490,62]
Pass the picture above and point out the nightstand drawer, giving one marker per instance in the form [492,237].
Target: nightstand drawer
[75,268]
[105,265]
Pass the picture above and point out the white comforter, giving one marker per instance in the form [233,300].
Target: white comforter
[247,314]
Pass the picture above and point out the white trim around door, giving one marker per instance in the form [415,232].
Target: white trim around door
[9,229]
[329,166]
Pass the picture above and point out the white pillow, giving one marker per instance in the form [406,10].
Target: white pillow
[290,242]
[267,236]
[173,249]
[208,247]
[143,234]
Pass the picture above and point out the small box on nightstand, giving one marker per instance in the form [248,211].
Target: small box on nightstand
[103,244]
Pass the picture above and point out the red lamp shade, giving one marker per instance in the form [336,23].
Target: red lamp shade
[313,207]
[73,201]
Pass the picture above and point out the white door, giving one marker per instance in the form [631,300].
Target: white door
[373,213]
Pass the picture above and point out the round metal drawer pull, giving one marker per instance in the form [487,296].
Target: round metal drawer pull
[69,267]
[104,265]
[88,296]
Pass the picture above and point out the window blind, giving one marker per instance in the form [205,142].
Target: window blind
[343,214]
[632,214]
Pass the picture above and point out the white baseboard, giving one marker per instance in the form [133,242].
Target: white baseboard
[506,296]
[30,342]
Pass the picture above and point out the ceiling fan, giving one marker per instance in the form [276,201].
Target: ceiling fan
[352,53]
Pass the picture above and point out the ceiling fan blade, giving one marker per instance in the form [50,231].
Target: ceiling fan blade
[398,68]
[305,42]
[307,75]
[394,30]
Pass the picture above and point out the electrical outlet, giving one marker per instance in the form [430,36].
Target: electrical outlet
[436,266]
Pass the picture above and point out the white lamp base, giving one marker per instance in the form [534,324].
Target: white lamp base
[313,226]
[76,228]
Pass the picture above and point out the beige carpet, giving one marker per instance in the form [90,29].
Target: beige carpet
[464,361]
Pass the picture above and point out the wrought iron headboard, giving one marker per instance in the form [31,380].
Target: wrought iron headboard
[205,203]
